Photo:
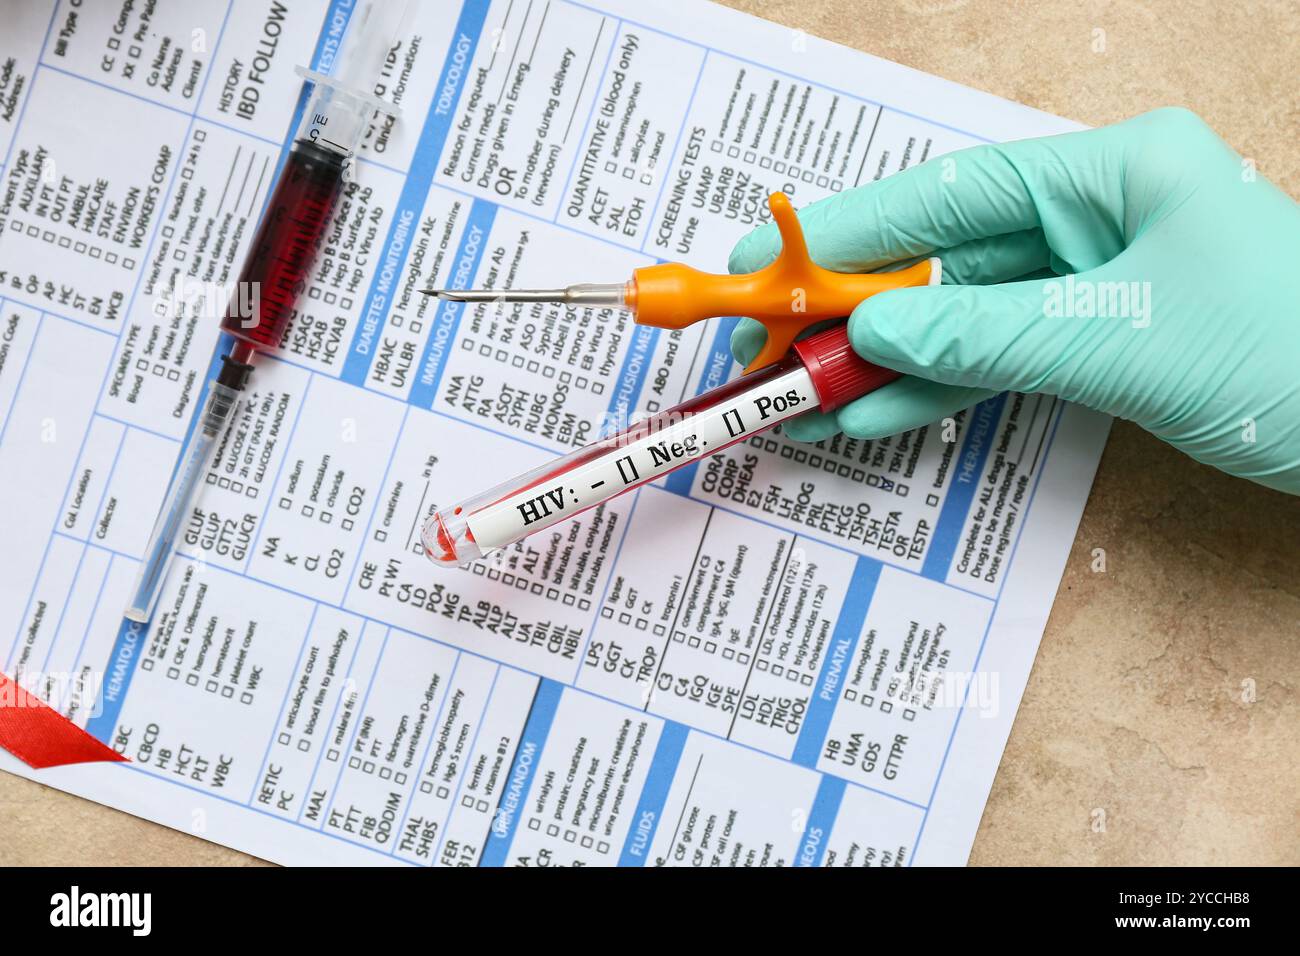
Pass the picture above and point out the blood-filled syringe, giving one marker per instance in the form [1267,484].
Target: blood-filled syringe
[274,274]
[822,372]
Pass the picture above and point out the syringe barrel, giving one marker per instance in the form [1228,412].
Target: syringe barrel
[275,272]
[822,372]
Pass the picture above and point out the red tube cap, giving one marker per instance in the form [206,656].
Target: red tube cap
[838,373]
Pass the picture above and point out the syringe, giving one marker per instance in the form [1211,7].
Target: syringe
[822,371]
[341,107]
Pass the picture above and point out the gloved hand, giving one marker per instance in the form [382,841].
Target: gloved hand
[1179,310]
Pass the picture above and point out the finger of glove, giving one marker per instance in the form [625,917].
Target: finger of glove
[995,259]
[905,404]
[992,337]
[971,194]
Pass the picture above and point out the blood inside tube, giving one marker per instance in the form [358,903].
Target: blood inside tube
[282,251]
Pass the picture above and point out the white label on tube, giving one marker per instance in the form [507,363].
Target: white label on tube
[624,465]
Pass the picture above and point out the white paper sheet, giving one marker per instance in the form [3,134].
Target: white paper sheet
[789,654]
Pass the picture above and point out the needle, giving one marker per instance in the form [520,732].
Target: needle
[585,295]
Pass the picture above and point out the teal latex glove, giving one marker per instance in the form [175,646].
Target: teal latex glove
[1155,219]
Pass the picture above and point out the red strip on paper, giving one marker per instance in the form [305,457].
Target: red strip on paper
[40,736]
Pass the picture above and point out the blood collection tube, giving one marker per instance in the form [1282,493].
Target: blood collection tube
[822,372]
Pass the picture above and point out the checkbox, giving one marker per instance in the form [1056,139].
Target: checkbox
[694,642]
[761,665]
[326,517]
[850,695]
[483,806]
[710,646]
[660,630]
[602,847]
[867,700]
[552,830]
[588,842]
[284,739]
[227,691]
[570,836]
[347,524]
[886,706]
[385,773]
[534,824]
[909,714]
[286,504]
[304,745]
[331,755]
[399,778]
[932,500]
[368,766]
[192,679]
[728,653]
[354,762]
[308,511]
[211,687]
[467,802]
[246,698]
[443,793]
[426,786]
[381,535]
[114,43]
[607,612]
[147,664]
